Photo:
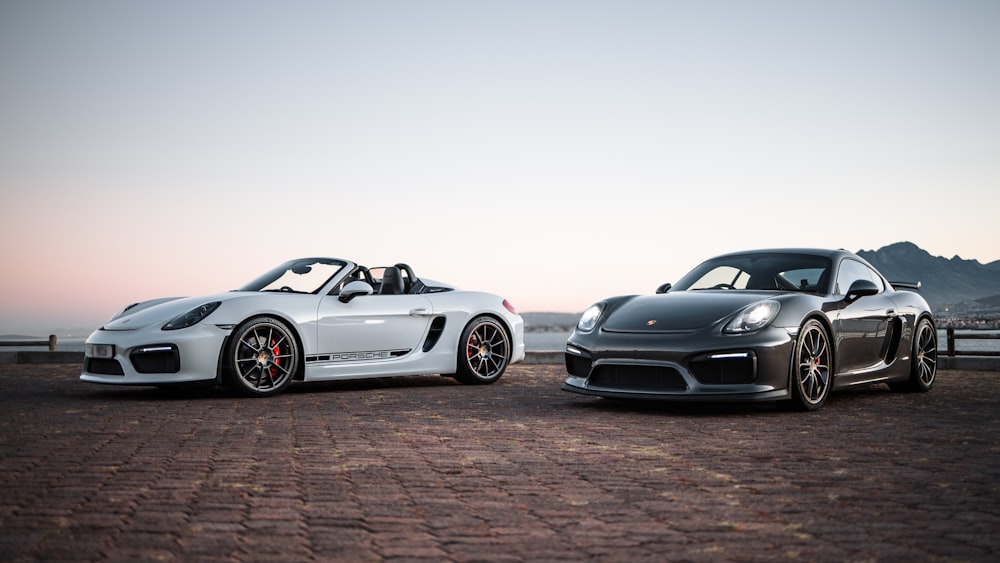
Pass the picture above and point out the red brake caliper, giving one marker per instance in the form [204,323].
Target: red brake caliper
[277,361]
[473,349]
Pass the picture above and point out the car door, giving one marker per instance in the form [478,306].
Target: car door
[862,325]
[372,327]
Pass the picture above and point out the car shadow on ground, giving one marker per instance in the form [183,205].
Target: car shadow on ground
[861,397]
[207,391]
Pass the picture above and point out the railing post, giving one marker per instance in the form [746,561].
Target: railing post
[951,341]
[52,343]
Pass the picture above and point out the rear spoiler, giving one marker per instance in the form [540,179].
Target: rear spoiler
[913,286]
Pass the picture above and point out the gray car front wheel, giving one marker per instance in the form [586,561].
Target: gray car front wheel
[812,368]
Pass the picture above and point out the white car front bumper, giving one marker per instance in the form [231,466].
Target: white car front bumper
[151,356]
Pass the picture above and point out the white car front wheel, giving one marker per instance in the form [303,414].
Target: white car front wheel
[262,357]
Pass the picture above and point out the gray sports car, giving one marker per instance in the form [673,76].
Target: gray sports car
[786,325]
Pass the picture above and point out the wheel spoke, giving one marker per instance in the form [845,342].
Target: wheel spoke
[495,337]
[255,381]
[926,372]
[820,349]
[808,385]
[251,344]
[824,376]
[491,364]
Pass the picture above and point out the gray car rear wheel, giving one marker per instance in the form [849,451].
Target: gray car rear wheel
[923,362]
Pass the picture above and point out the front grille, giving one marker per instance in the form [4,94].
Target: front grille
[725,369]
[636,378]
[156,359]
[104,366]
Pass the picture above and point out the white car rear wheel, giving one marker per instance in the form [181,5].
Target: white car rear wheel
[483,351]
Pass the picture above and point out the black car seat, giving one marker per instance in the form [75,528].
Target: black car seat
[762,281]
[392,282]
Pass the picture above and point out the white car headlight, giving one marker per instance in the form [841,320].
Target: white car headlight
[192,317]
[589,318]
[753,318]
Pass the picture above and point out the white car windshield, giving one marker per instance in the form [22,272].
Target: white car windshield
[307,275]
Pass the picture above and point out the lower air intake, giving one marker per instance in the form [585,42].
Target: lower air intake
[156,359]
[725,369]
[637,378]
[104,366]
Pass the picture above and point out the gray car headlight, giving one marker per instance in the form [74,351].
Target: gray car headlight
[589,318]
[753,318]
[192,317]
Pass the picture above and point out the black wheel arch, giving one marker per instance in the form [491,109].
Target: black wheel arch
[926,315]
[499,319]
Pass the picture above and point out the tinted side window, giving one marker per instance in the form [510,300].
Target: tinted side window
[851,271]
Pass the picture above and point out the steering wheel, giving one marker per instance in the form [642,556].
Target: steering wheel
[722,286]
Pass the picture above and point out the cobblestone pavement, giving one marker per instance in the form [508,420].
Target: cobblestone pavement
[421,468]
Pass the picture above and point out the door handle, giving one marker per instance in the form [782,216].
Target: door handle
[890,313]
[418,312]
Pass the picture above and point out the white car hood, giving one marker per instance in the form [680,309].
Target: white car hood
[158,311]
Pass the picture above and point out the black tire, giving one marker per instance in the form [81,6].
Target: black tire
[483,351]
[923,362]
[812,368]
[262,356]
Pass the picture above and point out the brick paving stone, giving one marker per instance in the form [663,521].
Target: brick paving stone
[425,469]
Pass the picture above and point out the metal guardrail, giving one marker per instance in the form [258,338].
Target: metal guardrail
[953,336]
[550,355]
[51,343]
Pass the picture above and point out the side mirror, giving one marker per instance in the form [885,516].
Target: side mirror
[861,288]
[663,288]
[354,289]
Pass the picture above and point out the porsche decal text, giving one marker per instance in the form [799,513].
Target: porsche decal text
[357,356]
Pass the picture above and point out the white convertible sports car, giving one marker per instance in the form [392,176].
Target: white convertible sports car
[311,319]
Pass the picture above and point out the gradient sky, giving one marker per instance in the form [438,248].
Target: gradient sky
[553,152]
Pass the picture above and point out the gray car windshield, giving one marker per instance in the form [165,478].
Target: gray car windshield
[307,275]
[773,272]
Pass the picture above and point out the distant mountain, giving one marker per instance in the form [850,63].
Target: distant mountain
[952,284]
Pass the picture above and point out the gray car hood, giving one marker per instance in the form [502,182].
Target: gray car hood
[680,311]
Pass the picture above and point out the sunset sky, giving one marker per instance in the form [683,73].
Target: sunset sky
[554,152]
